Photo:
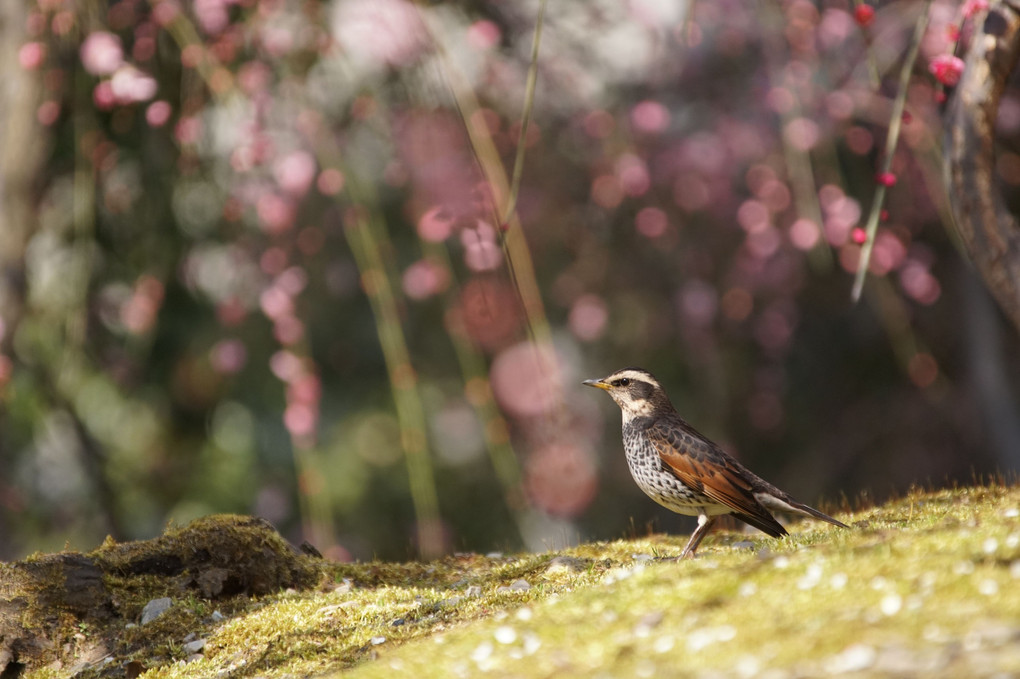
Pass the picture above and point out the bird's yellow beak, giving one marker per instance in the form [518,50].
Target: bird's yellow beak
[598,384]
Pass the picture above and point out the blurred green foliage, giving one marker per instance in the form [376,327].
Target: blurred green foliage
[261,240]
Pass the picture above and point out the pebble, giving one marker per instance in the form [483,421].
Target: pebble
[196,646]
[566,565]
[520,586]
[378,640]
[155,608]
[473,591]
[217,616]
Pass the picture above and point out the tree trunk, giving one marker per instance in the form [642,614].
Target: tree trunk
[989,230]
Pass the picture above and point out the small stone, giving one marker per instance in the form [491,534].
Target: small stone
[641,557]
[565,564]
[217,616]
[520,586]
[155,608]
[494,555]
[398,622]
[473,591]
[451,602]
[378,640]
[195,646]
[193,657]
[743,544]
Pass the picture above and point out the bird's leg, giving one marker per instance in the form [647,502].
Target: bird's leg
[704,523]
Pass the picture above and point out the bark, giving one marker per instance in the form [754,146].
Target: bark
[989,230]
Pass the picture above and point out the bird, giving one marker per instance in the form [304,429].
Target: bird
[684,471]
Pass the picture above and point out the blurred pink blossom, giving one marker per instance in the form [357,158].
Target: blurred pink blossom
[888,254]
[276,213]
[633,175]
[103,96]
[130,85]
[972,7]
[188,130]
[101,53]
[918,282]
[436,225]
[606,191]
[158,113]
[651,222]
[384,31]
[47,113]
[288,330]
[489,311]
[276,303]
[277,39]
[483,34]
[424,279]
[32,55]
[561,479]
[804,234]
[947,69]
[330,181]
[753,216]
[228,356]
[165,11]
[300,420]
[292,281]
[526,380]
[286,365]
[6,369]
[212,15]
[802,133]
[649,117]
[63,22]
[295,172]
[588,317]
[482,255]
[306,388]
[138,314]
[254,77]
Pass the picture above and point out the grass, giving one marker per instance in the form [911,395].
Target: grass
[926,584]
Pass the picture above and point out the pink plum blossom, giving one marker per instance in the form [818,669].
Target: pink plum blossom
[295,172]
[158,113]
[947,69]
[101,53]
[32,55]
[129,85]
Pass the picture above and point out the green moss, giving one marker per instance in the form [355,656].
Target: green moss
[927,583]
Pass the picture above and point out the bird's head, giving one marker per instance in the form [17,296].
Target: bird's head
[636,391]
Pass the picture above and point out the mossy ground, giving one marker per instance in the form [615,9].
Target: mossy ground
[926,585]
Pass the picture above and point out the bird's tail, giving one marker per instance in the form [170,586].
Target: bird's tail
[788,504]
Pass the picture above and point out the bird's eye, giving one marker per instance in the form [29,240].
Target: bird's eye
[621,382]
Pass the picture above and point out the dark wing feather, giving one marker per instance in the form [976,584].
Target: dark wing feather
[704,467]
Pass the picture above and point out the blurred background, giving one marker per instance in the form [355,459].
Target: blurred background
[255,257]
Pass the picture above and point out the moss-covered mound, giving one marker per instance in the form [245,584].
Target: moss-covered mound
[924,586]
[73,610]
